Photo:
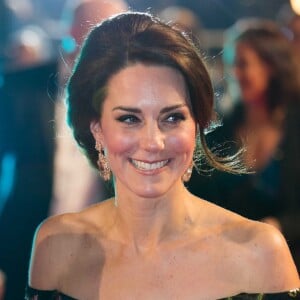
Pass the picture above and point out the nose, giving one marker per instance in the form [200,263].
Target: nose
[152,139]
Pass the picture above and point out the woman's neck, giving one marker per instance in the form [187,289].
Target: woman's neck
[144,222]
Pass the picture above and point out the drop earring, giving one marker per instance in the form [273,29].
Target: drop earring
[103,164]
[188,173]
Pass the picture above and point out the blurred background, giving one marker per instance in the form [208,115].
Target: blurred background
[41,170]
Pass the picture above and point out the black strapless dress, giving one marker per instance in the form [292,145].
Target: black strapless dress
[33,294]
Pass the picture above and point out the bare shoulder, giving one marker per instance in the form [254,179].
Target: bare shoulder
[274,261]
[59,241]
[51,241]
[265,259]
[257,254]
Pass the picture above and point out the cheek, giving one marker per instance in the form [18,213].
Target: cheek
[113,139]
[259,75]
[118,143]
[264,82]
[250,75]
[183,142]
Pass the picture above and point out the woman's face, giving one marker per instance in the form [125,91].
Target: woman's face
[147,129]
[252,74]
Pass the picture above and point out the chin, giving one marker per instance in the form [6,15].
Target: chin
[151,190]
[151,193]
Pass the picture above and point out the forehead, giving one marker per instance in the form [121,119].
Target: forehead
[140,82]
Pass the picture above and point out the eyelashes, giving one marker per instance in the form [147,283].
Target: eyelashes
[175,117]
[172,118]
[128,119]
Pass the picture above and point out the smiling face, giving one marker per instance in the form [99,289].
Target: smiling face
[147,129]
[252,74]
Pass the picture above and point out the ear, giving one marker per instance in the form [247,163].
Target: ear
[96,131]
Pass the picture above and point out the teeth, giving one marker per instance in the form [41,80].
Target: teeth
[147,166]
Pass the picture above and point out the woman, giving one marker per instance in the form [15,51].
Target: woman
[266,120]
[140,92]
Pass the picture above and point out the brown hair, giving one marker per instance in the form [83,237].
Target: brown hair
[126,39]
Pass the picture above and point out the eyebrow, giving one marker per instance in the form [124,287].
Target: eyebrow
[137,110]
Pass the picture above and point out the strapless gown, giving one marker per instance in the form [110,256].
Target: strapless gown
[33,294]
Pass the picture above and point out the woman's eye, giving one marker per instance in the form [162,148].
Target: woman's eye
[128,119]
[175,118]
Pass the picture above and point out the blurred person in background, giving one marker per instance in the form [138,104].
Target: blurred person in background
[184,18]
[27,93]
[266,121]
[79,17]
[28,47]
[76,185]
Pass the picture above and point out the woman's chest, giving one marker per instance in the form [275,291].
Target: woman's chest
[182,273]
[173,277]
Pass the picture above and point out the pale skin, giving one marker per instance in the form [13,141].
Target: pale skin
[155,240]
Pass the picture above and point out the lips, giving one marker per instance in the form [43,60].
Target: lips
[146,166]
